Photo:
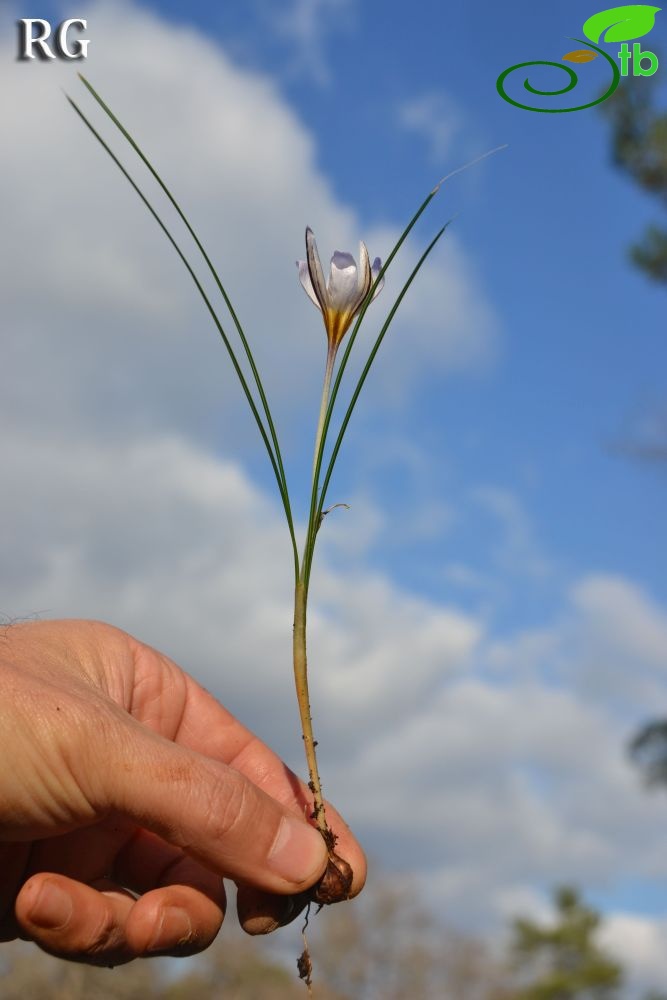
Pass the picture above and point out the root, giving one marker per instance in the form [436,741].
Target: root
[303,962]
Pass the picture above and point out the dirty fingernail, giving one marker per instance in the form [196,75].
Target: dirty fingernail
[174,928]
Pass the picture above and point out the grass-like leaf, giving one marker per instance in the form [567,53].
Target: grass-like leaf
[258,382]
[274,457]
[317,516]
[318,497]
[315,498]
[302,570]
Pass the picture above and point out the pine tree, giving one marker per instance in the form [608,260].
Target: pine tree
[563,961]
[639,147]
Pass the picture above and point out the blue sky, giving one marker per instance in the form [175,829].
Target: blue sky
[547,222]
[498,582]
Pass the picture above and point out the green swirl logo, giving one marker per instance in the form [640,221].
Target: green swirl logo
[618,24]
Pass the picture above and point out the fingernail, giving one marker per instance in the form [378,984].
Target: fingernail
[174,928]
[52,908]
[266,914]
[261,924]
[298,853]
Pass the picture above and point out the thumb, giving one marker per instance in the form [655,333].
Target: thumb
[212,812]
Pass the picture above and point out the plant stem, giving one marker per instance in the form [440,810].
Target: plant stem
[301,682]
[328,372]
[300,608]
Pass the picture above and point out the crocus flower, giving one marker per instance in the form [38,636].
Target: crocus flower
[341,297]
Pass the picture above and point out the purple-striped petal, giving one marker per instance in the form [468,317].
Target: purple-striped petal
[364,278]
[304,278]
[315,270]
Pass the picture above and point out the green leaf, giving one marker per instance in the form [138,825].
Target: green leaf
[621,24]
[276,464]
[316,513]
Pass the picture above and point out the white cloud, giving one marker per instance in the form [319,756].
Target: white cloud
[306,25]
[435,118]
[624,619]
[519,783]
[101,320]
[639,943]
[461,337]
[180,548]
[518,551]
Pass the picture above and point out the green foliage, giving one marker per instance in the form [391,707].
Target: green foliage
[386,946]
[260,408]
[648,750]
[231,968]
[235,971]
[639,148]
[26,972]
[563,961]
[651,254]
[389,947]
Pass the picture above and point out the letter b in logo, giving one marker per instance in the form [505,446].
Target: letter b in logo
[637,57]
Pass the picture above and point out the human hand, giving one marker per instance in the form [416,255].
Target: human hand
[127,792]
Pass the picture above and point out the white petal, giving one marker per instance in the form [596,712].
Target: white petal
[315,270]
[304,278]
[375,270]
[342,286]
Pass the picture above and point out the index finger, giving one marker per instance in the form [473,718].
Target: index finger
[191,716]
